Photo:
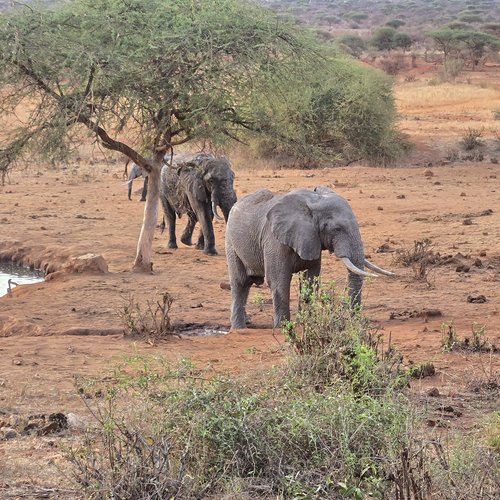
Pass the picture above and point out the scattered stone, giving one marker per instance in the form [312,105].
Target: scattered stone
[482,253]
[452,410]
[462,194]
[384,248]
[462,268]
[225,286]
[400,196]
[437,183]
[75,422]
[429,173]
[423,370]
[467,222]
[8,433]
[82,201]
[433,392]
[430,313]
[197,306]
[56,422]
[476,299]
[478,263]
[89,262]
[372,196]
[380,208]
[437,423]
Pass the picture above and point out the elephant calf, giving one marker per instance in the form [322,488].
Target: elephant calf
[197,187]
[135,172]
[274,236]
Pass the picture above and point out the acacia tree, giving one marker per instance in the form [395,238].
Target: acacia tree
[143,76]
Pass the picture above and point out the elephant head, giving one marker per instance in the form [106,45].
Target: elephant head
[311,221]
[135,172]
[218,178]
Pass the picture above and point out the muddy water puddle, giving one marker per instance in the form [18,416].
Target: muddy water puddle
[197,330]
[12,275]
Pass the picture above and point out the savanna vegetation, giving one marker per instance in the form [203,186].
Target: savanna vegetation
[337,417]
[334,422]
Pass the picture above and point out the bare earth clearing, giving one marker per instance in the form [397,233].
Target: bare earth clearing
[69,324]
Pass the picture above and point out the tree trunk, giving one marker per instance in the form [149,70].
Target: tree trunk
[143,259]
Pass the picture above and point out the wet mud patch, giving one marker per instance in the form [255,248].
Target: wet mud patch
[201,330]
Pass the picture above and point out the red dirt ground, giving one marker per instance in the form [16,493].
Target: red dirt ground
[69,325]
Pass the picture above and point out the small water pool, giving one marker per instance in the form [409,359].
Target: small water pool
[18,274]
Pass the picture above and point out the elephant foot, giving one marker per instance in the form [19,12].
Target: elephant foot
[187,241]
[143,199]
[209,251]
[248,319]
[172,245]
[238,325]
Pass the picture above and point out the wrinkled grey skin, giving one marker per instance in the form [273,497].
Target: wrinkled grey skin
[192,188]
[278,235]
[135,172]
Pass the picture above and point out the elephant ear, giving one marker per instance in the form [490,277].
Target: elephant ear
[292,224]
[191,182]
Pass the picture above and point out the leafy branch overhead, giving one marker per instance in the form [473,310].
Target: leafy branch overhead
[165,72]
[153,75]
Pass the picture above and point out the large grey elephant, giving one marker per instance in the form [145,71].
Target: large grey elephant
[274,236]
[135,172]
[196,188]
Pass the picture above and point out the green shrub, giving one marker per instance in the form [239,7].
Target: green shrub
[347,113]
[452,68]
[293,432]
[332,343]
[472,138]
[470,18]
[351,44]
[395,23]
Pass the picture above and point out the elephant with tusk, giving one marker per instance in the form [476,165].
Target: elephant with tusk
[135,172]
[274,236]
[197,187]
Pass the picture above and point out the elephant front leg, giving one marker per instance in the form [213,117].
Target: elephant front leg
[279,283]
[204,215]
[208,235]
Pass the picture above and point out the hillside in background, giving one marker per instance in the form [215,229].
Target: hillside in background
[362,17]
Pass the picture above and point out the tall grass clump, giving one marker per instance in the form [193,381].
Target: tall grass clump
[333,422]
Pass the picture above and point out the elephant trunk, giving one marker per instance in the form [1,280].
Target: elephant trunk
[351,252]
[225,199]
[130,189]
[135,171]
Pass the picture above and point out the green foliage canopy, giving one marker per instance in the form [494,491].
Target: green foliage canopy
[467,44]
[166,72]
[386,38]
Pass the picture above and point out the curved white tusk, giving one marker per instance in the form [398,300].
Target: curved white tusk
[214,210]
[355,270]
[377,269]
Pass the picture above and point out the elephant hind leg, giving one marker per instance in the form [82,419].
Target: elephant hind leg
[240,288]
[170,219]
[187,235]
[200,245]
